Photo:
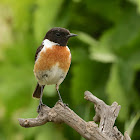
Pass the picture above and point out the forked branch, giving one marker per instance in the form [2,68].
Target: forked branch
[60,113]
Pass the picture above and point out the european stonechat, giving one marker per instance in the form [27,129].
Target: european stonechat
[52,61]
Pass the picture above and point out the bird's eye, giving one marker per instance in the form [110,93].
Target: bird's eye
[58,34]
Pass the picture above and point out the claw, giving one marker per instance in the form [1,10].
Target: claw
[40,102]
[65,105]
[40,107]
[60,100]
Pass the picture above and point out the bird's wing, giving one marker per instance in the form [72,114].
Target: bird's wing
[38,50]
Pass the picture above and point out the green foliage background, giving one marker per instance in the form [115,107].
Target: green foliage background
[105,61]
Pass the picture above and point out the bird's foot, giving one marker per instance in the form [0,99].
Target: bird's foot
[61,101]
[66,105]
[40,107]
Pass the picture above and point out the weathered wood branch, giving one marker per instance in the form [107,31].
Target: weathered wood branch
[60,113]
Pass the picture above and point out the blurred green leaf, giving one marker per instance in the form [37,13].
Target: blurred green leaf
[79,75]
[130,124]
[97,51]
[105,8]
[137,2]
[126,75]
[20,19]
[48,132]
[122,34]
[135,60]
[45,15]
[50,90]
[87,39]
[116,92]
[88,75]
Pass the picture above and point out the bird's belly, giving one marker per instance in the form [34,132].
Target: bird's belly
[55,75]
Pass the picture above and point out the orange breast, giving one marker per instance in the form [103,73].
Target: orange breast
[51,56]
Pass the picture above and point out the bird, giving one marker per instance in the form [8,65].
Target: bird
[52,61]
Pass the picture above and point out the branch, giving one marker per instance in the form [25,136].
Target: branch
[60,113]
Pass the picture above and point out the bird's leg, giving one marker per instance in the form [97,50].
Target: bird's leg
[40,101]
[60,99]
[57,88]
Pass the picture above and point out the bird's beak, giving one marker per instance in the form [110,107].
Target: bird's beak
[71,35]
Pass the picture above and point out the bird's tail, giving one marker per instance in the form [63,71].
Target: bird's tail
[37,91]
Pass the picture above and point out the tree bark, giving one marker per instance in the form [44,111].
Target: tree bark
[61,113]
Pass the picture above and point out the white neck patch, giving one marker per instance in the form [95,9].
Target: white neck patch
[47,43]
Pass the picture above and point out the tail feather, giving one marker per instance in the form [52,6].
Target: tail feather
[37,91]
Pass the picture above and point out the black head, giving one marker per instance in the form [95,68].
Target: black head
[59,35]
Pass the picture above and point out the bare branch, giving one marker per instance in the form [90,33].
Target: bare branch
[60,113]
[105,114]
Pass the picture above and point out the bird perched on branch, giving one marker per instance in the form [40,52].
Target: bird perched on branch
[52,61]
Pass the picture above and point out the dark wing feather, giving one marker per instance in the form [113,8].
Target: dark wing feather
[37,51]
